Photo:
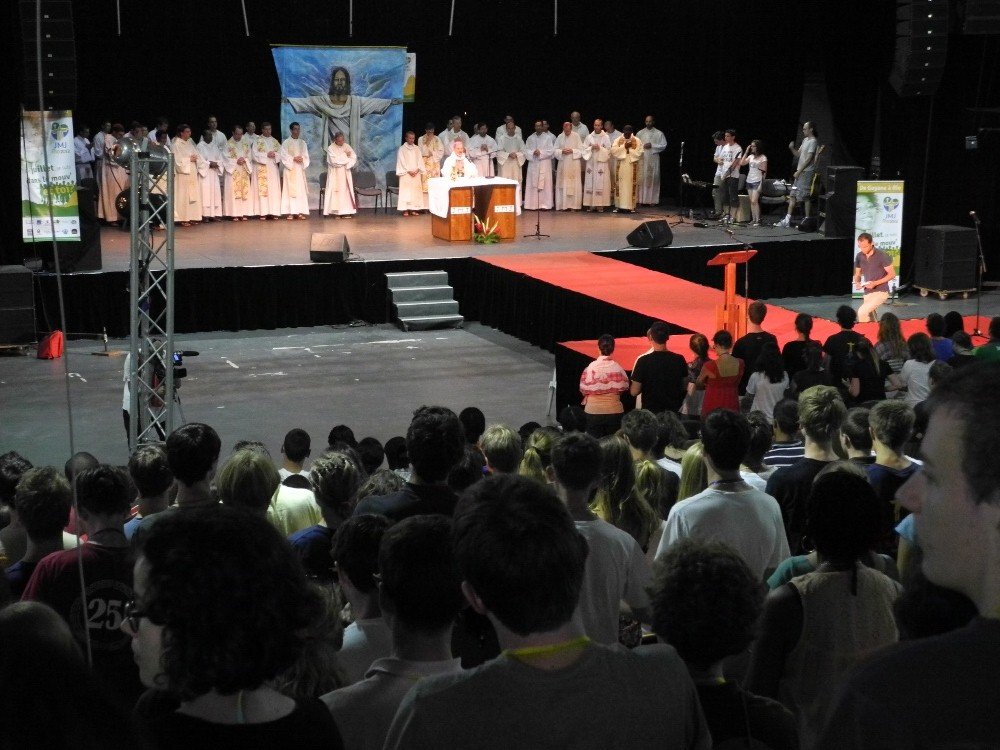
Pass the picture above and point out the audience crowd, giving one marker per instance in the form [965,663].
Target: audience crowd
[780,549]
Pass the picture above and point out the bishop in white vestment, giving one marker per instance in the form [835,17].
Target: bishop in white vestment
[653,144]
[569,154]
[340,160]
[294,162]
[266,153]
[410,170]
[597,169]
[237,198]
[458,165]
[538,151]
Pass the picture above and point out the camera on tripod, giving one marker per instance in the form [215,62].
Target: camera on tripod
[180,371]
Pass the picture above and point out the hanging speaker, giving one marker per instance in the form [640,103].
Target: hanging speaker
[921,46]
[651,234]
[51,23]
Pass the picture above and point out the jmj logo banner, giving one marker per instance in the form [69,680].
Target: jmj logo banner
[879,211]
[49,206]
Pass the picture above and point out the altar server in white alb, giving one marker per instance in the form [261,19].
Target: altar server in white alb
[539,150]
[237,197]
[340,160]
[458,165]
[510,153]
[597,169]
[569,153]
[410,169]
[653,144]
[266,152]
[187,190]
[208,178]
[294,188]
[482,150]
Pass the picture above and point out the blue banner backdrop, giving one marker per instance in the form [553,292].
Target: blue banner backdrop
[354,90]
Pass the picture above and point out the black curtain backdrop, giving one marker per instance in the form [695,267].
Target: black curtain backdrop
[696,66]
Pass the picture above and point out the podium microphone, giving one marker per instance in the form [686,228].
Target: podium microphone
[972,215]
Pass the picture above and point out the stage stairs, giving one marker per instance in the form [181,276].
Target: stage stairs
[422,300]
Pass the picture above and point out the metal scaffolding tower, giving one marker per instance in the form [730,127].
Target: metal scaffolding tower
[151,297]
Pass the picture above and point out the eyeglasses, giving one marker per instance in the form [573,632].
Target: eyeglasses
[132,615]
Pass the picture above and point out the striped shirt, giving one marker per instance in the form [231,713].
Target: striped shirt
[785,454]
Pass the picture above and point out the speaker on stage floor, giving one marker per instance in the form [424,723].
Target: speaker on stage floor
[946,258]
[17,305]
[328,248]
[651,234]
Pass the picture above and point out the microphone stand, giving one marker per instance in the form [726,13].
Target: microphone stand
[980,270]
[680,192]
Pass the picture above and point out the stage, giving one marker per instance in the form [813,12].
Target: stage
[256,274]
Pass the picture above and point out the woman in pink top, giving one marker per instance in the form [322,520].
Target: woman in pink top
[602,383]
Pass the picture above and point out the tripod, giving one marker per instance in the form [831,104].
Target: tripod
[980,270]
[537,234]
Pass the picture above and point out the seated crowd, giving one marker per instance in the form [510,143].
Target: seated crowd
[819,571]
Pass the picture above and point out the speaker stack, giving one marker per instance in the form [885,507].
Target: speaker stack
[945,260]
[921,46]
[651,234]
[841,200]
[58,54]
[17,306]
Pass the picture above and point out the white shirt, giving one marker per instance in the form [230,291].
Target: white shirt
[730,153]
[746,519]
[364,711]
[670,465]
[754,174]
[364,642]
[285,473]
[616,570]
[806,149]
[765,393]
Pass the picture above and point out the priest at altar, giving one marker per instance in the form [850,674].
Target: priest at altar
[458,165]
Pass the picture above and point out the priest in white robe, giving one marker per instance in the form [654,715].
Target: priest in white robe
[250,133]
[410,170]
[339,198]
[453,133]
[294,163]
[97,145]
[114,178]
[83,154]
[508,120]
[187,190]
[266,152]
[237,198]
[569,154]
[627,153]
[578,127]
[539,150]
[613,133]
[597,169]
[211,190]
[510,154]
[458,166]
[432,151]
[482,150]
[653,144]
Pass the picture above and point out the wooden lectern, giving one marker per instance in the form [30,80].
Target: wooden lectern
[731,314]
[491,202]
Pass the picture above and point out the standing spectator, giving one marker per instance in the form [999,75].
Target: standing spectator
[671,440]
[938,692]
[694,473]
[640,428]
[890,345]
[473,423]
[219,613]
[150,472]
[420,595]
[618,499]
[891,426]
[551,680]
[721,378]
[769,381]
[730,510]
[105,562]
[753,469]
[295,449]
[435,441]
[814,373]
[706,603]
[13,539]
[866,374]
[914,376]
[355,553]
[787,447]
[794,352]
[940,341]
[501,447]
[820,624]
[538,454]
[616,569]
[692,402]
[840,346]
[372,454]
[396,458]
[821,412]
[659,376]
[42,501]
[990,351]
[936,375]
[602,383]
[247,481]
[749,346]
[856,436]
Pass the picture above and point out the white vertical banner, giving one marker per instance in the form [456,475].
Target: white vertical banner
[49,206]
[879,211]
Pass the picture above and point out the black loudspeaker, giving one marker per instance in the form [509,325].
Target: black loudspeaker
[809,224]
[921,46]
[841,199]
[58,54]
[946,258]
[84,255]
[17,306]
[651,234]
[328,248]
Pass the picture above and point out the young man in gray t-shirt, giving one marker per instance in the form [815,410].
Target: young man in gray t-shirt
[805,169]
